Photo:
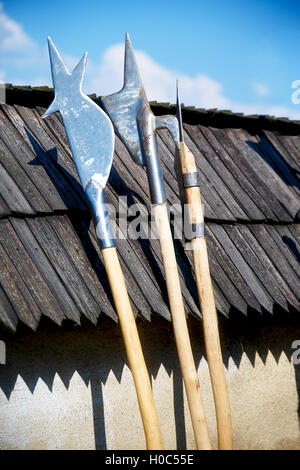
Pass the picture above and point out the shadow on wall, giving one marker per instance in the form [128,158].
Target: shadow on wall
[297,376]
[293,248]
[94,352]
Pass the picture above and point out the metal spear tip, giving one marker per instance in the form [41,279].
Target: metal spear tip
[178,114]
[132,76]
[123,106]
[129,108]
[128,42]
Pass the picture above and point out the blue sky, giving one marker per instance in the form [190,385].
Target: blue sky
[239,55]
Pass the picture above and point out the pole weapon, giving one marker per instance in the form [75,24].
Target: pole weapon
[191,183]
[91,138]
[135,123]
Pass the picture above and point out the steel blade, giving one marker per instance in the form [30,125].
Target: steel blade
[90,134]
[123,106]
[88,128]
[136,124]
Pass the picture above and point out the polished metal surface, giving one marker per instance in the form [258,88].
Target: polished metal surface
[171,123]
[135,123]
[191,179]
[122,107]
[89,131]
[178,114]
[96,200]
[197,231]
[146,129]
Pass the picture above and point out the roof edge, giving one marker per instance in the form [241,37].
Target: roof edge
[31,97]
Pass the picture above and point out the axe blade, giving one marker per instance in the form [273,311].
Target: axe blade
[136,124]
[90,134]
[123,106]
[88,128]
[126,107]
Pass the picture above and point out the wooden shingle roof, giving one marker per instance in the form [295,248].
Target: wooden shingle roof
[51,264]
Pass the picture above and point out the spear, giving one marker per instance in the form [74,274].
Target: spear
[191,185]
[135,123]
[91,138]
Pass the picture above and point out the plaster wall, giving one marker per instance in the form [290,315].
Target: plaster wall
[71,388]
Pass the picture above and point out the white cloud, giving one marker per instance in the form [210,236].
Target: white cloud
[19,52]
[105,77]
[260,89]
[159,82]
[17,48]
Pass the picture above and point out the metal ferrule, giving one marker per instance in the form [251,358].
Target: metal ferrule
[96,200]
[146,128]
[191,179]
[195,231]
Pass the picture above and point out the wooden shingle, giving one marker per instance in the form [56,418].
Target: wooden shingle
[50,261]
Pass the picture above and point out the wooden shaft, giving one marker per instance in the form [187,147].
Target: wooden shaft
[208,309]
[188,369]
[133,349]
[212,344]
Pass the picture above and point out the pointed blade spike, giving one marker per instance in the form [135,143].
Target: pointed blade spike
[52,109]
[178,114]
[79,70]
[58,67]
[131,71]
[124,106]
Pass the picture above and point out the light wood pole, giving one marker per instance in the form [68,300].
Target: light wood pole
[183,343]
[133,349]
[205,292]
